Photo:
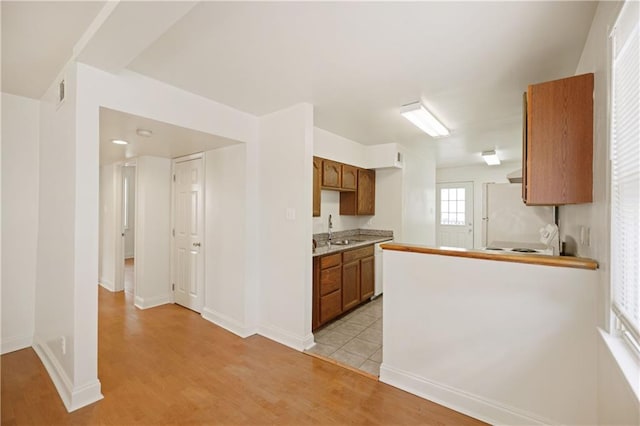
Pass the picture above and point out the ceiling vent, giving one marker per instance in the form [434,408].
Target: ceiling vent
[61,92]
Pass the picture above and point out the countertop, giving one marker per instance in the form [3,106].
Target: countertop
[535,259]
[363,240]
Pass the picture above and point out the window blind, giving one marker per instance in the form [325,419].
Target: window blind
[625,169]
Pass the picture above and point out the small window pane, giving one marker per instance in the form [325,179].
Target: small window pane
[461,206]
[460,219]
[452,194]
[452,206]
[444,194]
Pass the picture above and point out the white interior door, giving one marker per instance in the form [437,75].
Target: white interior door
[455,214]
[188,266]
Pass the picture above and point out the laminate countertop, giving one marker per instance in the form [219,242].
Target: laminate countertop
[535,259]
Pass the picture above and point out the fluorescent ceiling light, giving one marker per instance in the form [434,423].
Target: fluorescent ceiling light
[145,133]
[423,119]
[119,141]
[491,158]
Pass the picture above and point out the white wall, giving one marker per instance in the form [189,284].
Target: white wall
[419,217]
[108,231]
[286,159]
[338,148]
[225,238]
[330,205]
[20,160]
[478,174]
[617,402]
[507,343]
[153,232]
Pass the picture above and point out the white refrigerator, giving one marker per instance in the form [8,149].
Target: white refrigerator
[505,217]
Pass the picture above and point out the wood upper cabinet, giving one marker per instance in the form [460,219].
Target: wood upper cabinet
[331,174]
[363,200]
[558,142]
[349,177]
[317,176]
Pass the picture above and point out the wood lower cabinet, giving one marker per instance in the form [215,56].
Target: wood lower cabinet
[557,159]
[367,278]
[350,285]
[341,281]
[317,177]
[363,200]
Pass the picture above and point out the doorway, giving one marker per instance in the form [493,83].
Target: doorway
[128,221]
[454,215]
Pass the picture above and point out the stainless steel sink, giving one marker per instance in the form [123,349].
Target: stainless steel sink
[345,242]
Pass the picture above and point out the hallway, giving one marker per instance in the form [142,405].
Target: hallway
[167,365]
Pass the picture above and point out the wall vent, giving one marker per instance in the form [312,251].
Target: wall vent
[61,92]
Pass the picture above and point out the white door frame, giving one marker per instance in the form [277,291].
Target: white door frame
[199,155]
[469,208]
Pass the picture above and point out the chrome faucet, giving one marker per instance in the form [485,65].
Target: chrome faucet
[330,229]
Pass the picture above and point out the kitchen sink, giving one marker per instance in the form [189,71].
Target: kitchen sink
[345,242]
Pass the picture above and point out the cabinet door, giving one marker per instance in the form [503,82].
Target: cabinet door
[349,177]
[367,278]
[350,285]
[559,160]
[366,192]
[330,280]
[330,306]
[331,174]
[317,176]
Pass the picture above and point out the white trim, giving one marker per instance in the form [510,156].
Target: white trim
[151,302]
[107,285]
[72,397]
[472,405]
[228,323]
[15,343]
[277,334]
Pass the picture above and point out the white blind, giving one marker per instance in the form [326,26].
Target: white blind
[625,169]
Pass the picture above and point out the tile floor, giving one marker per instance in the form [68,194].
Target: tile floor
[355,339]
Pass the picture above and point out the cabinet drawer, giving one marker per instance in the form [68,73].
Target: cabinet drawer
[351,255]
[330,261]
[330,306]
[330,280]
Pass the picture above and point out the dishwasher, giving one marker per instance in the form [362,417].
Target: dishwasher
[378,266]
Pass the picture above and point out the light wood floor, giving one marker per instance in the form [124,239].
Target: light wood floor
[167,365]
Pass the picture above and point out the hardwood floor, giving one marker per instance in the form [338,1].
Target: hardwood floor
[167,365]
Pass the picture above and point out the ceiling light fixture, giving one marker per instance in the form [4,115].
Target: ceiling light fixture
[119,141]
[491,158]
[424,120]
[145,133]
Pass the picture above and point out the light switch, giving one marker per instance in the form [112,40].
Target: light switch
[290,213]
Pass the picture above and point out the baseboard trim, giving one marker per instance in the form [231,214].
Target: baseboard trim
[108,285]
[72,397]
[228,323]
[151,302]
[285,337]
[472,405]
[12,344]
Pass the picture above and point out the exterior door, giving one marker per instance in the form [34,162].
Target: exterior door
[188,265]
[454,215]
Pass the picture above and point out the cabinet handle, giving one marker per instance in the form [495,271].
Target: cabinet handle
[196,244]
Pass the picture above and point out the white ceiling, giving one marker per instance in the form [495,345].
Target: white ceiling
[357,63]
[38,39]
[167,140]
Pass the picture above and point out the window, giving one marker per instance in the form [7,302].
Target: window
[625,172]
[452,206]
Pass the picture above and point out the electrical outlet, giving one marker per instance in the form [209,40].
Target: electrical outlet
[585,236]
[63,345]
[290,214]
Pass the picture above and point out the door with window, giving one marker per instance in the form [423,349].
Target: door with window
[188,266]
[454,215]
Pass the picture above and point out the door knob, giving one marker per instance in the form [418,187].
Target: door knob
[196,244]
